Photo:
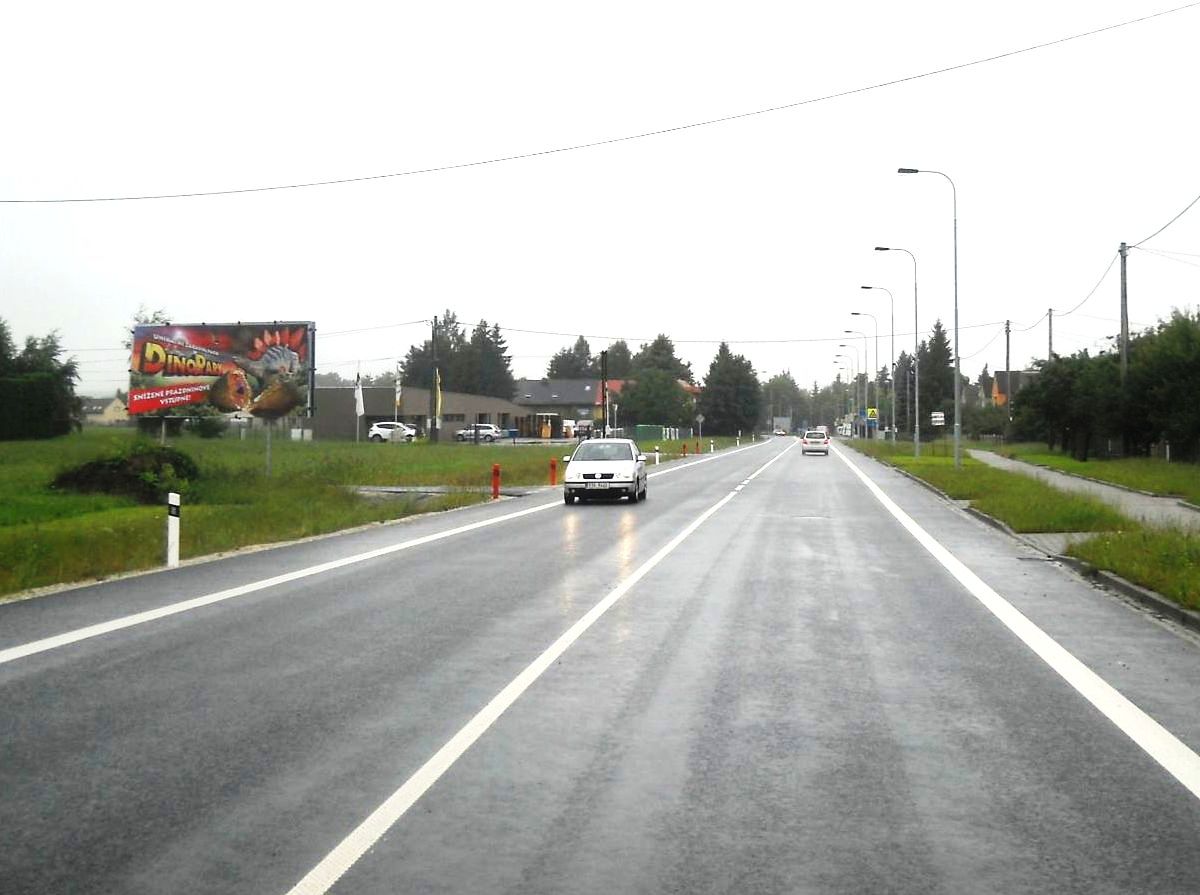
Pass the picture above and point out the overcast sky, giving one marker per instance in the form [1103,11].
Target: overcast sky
[752,229]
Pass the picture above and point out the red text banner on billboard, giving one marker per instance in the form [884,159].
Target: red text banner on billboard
[261,369]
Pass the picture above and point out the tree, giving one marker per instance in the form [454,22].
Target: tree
[37,390]
[782,396]
[659,355]
[575,362]
[478,365]
[657,399]
[732,399]
[937,374]
[985,384]
[620,361]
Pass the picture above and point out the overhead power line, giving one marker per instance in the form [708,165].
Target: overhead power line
[628,137]
[1168,223]
[1111,262]
[1167,257]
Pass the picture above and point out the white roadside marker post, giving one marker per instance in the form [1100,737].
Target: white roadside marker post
[712,446]
[172,530]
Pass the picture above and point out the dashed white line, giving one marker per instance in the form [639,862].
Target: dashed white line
[1159,743]
[322,878]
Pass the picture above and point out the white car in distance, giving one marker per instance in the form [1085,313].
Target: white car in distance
[814,441]
[605,467]
[389,431]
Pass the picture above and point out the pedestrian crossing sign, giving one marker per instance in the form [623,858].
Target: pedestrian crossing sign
[873,413]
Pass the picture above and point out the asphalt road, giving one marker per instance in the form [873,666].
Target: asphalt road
[766,684]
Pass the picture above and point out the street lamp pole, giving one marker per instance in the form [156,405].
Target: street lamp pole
[957,371]
[892,327]
[916,352]
[875,369]
[857,366]
[845,371]
[866,381]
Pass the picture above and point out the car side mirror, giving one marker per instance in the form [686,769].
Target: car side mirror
[567,458]
[641,458]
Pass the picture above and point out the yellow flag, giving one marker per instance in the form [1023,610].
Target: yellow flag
[437,397]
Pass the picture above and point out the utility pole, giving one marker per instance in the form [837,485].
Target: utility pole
[604,394]
[1008,365]
[1050,349]
[1124,316]
[433,385]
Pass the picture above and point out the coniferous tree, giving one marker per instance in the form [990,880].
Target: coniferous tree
[659,355]
[732,399]
[575,362]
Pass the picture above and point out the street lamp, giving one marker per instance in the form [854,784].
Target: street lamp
[843,370]
[866,381]
[875,369]
[957,372]
[857,366]
[892,305]
[916,352]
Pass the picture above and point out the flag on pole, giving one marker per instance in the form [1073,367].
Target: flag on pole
[437,398]
[359,409]
[398,389]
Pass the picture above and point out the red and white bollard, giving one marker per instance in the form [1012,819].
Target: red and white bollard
[495,481]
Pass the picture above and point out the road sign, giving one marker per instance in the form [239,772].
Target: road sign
[937,418]
[872,413]
[699,417]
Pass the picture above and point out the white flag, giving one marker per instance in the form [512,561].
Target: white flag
[359,410]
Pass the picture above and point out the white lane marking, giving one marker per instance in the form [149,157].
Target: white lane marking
[1159,743]
[322,878]
[128,621]
[48,643]
[708,459]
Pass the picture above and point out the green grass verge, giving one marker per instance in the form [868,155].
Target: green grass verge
[1022,503]
[49,537]
[1166,561]
[1141,473]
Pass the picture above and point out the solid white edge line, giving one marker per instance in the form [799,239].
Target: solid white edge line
[325,875]
[1159,743]
[65,639]
[128,621]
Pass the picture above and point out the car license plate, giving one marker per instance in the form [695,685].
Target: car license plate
[596,485]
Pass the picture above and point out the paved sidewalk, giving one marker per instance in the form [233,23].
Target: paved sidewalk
[1155,510]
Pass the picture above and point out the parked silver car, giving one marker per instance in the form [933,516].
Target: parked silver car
[480,432]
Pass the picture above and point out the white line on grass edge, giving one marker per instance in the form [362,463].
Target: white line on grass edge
[48,643]
[322,878]
[1159,743]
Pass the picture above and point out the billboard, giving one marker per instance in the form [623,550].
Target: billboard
[263,369]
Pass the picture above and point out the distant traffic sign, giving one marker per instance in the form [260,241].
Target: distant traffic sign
[872,413]
[937,418]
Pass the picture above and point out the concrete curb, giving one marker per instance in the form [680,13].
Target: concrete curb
[1150,599]
[1188,506]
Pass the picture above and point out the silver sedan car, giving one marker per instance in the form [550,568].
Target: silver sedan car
[605,467]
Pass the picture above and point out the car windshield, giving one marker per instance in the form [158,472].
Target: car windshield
[602,451]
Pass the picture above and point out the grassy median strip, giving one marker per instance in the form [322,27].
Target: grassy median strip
[1020,502]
